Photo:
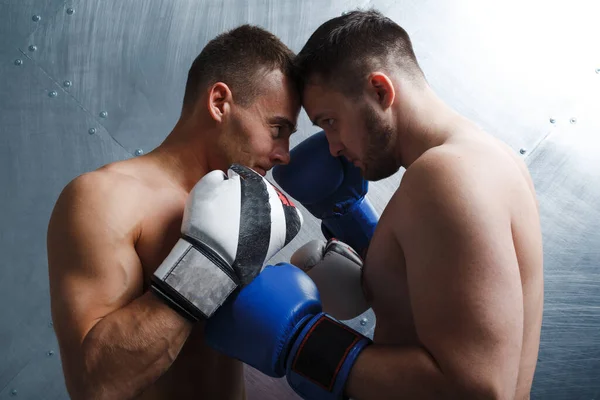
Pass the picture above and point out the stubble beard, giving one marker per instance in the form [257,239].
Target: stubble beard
[379,161]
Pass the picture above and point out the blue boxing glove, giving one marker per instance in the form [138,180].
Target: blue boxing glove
[275,324]
[331,189]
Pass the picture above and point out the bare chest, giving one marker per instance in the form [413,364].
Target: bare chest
[386,286]
[160,230]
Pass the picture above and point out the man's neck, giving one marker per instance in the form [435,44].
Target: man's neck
[182,155]
[427,123]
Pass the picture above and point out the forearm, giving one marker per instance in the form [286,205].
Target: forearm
[131,348]
[397,372]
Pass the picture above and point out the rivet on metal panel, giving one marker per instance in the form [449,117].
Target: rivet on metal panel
[53,93]
[36,18]
[70,11]
[32,47]
[573,120]
[18,61]
[522,151]
[92,131]
[363,321]
[552,121]
[67,83]
[50,353]
[13,392]
[139,152]
[103,114]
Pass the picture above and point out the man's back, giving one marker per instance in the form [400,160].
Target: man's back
[403,298]
[110,230]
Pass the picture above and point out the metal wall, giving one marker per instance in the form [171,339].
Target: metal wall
[85,83]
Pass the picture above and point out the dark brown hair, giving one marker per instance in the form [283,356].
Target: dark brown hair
[236,58]
[343,50]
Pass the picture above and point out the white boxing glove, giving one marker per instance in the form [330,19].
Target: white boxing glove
[232,224]
[336,269]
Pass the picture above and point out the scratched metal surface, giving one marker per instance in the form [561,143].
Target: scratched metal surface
[511,66]
[44,142]
[566,170]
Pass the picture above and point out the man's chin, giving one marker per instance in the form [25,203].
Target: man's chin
[255,168]
[260,171]
[377,174]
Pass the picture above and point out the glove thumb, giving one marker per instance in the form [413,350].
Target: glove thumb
[309,255]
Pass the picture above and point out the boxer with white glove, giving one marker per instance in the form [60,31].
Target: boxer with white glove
[331,189]
[276,325]
[336,270]
[231,225]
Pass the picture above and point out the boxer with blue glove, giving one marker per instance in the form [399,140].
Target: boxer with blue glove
[276,325]
[455,270]
[331,189]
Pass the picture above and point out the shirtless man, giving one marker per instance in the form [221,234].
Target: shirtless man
[111,229]
[454,268]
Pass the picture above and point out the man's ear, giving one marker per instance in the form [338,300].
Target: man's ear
[382,88]
[219,101]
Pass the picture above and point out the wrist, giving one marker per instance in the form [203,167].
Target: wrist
[165,301]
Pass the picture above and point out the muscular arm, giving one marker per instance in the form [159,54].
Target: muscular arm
[114,340]
[465,292]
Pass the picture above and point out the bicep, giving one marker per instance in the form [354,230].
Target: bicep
[465,286]
[93,270]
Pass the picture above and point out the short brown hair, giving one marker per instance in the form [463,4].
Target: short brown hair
[346,48]
[235,58]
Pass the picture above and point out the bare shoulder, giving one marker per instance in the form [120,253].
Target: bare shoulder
[96,186]
[460,176]
[439,178]
[104,197]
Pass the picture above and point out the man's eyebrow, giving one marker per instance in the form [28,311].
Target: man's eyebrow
[284,121]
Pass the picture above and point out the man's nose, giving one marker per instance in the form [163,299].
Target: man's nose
[335,146]
[281,155]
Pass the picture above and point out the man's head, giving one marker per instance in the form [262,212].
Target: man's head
[349,73]
[243,84]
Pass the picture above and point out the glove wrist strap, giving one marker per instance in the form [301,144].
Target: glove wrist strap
[193,281]
[322,357]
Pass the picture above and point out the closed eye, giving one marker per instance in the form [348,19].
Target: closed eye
[323,122]
[326,123]
[279,131]
[283,125]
